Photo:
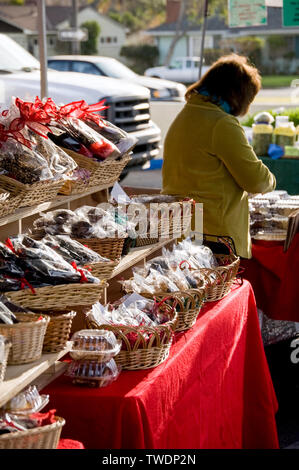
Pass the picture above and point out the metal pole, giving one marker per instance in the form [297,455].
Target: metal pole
[42,46]
[203,34]
[75,44]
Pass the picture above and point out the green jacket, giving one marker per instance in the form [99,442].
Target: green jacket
[207,157]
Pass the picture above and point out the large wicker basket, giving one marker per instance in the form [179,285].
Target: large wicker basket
[106,172]
[3,363]
[150,347]
[58,331]
[31,194]
[110,248]
[43,437]
[26,337]
[61,297]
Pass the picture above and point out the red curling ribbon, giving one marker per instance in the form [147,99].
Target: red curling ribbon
[83,276]
[81,110]
[8,244]
[184,261]
[88,268]
[32,115]
[3,134]
[24,283]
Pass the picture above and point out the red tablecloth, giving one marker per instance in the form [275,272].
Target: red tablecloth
[214,391]
[69,444]
[274,275]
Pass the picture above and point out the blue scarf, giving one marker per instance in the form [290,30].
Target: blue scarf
[216,100]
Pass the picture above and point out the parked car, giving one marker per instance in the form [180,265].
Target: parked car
[128,103]
[182,69]
[164,90]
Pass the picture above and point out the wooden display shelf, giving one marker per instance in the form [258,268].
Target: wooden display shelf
[19,377]
[138,254]
[60,200]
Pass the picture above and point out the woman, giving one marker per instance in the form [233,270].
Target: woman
[207,155]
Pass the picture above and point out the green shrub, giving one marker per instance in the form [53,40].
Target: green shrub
[211,55]
[293,114]
[90,46]
[141,56]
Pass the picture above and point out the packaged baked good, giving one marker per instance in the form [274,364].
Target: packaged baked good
[71,250]
[93,373]
[27,402]
[101,345]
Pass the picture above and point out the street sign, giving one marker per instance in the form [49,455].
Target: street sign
[73,35]
[290,13]
[244,13]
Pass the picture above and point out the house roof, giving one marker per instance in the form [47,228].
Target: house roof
[216,23]
[23,17]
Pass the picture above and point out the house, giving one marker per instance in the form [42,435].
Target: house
[20,23]
[281,45]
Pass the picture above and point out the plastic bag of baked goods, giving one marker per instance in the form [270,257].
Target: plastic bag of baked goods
[100,147]
[71,250]
[23,163]
[58,222]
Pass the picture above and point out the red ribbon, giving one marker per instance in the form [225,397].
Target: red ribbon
[81,110]
[81,271]
[8,244]
[3,134]
[32,115]
[24,283]
[184,261]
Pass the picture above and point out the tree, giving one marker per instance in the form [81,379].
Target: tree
[191,11]
[90,46]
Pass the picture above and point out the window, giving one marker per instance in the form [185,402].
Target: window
[60,65]
[176,64]
[108,39]
[115,39]
[102,40]
[85,67]
[188,64]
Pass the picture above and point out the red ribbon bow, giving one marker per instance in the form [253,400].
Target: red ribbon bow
[33,115]
[81,110]
[81,271]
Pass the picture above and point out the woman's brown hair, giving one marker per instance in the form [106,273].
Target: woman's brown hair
[232,79]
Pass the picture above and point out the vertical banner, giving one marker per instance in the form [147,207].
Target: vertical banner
[290,15]
[242,13]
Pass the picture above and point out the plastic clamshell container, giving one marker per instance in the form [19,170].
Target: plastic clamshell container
[100,345]
[96,373]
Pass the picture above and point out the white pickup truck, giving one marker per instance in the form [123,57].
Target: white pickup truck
[182,69]
[128,103]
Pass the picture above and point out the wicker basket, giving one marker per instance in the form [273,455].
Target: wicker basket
[31,194]
[44,437]
[102,271]
[8,203]
[26,337]
[176,227]
[188,305]
[110,248]
[219,280]
[58,331]
[151,346]
[61,297]
[106,172]
[3,364]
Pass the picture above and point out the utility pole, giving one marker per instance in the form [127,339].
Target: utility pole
[203,34]
[74,25]
[42,47]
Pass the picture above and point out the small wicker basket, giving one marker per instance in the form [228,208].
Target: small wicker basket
[31,194]
[8,203]
[43,437]
[219,280]
[105,172]
[110,248]
[150,346]
[58,331]
[61,297]
[3,364]
[26,337]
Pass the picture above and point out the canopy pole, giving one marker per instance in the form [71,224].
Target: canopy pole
[42,46]
[203,34]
